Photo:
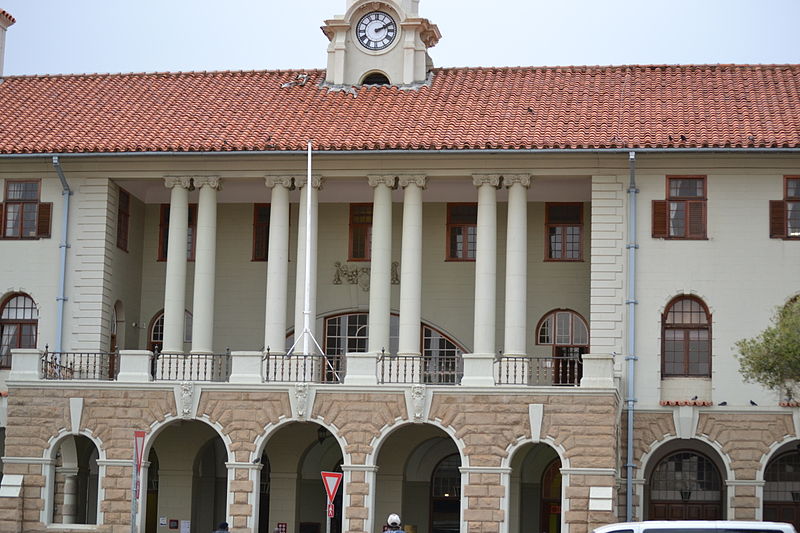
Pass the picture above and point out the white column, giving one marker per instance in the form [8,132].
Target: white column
[175,283]
[299,295]
[516,264]
[277,264]
[380,277]
[486,264]
[411,265]
[205,265]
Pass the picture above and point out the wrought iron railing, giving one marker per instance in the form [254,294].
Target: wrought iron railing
[97,366]
[190,367]
[539,370]
[433,370]
[298,368]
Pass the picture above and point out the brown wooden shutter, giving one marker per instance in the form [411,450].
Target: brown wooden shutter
[660,210]
[2,221]
[44,220]
[696,224]
[777,219]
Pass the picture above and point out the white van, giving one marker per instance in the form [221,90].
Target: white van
[697,526]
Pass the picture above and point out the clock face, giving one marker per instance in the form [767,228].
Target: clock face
[376,30]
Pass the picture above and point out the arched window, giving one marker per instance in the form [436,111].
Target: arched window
[551,498]
[446,495]
[348,333]
[567,332]
[19,319]
[156,342]
[375,78]
[782,489]
[685,485]
[686,338]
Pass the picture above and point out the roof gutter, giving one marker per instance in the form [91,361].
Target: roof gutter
[302,153]
[66,192]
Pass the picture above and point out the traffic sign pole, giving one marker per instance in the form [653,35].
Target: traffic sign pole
[331,482]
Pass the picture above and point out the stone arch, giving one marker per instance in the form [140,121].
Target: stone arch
[788,443]
[292,453]
[523,458]
[660,450]
[409,471]
[63,448]
[156,430]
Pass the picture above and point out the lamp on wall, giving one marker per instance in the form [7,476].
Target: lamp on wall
[322,434]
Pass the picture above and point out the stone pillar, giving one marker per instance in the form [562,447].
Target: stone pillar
[277,264]
[380,278]
[516,321]
[70,508]
[478,366]
[175,283]
[26,364]
[411,265]
[205,265]
[306,345]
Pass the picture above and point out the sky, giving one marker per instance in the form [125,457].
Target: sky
[81,36]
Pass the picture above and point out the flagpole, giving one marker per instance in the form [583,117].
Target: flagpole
[307,295]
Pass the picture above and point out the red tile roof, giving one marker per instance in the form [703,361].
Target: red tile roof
[6,15]
[705,106]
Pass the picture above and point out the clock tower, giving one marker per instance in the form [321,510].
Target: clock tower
[379,42]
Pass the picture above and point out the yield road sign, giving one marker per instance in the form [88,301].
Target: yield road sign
[331,480]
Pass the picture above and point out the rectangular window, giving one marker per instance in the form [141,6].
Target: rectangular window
[360,232]
[163,232]
[564,227]
[23,216]
[784,215]
[123,219]
[683,214]
[260,231]
[462,230]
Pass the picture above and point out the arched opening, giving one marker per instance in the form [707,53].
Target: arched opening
[291,490]
[187,478]
[419,479]
[535,493]
[568,334]
[782,487]
[155,339]
[685,484]
[19,320]
[376,78]
[75,484]
[686,338]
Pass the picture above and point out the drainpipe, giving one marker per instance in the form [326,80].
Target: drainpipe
[66,192]
[630,399]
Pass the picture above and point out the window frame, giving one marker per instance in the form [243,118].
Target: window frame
[261,229]
[548,225]
[662,219]
[123,219]
[163,232]
[779,227]
[686,328]
[360,227]
[42,219]
[450,226]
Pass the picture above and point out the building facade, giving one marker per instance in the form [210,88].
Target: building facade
[493,299]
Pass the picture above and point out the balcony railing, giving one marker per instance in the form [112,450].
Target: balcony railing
[297,368]
[434,370]
[97,366]
[190,367]
[537,370]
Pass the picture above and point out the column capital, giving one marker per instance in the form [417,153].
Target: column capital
[486,179]
[316,181]
[382,179]
[171,182]
[510,179]
[420,180]
[213,182]
[274,181]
